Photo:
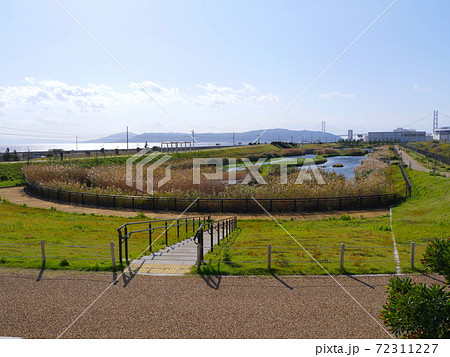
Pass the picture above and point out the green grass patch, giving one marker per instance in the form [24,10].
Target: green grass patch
[11,174]
[27,226]
[368,248]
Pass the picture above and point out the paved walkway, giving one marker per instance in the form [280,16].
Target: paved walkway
[177,259]
[414,165]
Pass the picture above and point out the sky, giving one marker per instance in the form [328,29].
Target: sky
[91,68]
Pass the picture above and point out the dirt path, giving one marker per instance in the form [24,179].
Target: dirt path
[18,196]
[35,305]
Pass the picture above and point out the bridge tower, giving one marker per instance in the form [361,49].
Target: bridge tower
[435,120]
[323,127]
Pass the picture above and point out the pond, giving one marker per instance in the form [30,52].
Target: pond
[349,162]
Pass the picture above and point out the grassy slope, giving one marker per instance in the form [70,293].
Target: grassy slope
[11,174]
[426,215]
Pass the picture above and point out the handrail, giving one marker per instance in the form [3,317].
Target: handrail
[229,224]
[153,221]
[125,235]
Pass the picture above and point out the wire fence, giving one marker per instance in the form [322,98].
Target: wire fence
[343,254]
[45,252]
[441,158]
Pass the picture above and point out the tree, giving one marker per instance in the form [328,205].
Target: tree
[6,155]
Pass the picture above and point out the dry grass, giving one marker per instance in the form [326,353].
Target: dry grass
[112,180]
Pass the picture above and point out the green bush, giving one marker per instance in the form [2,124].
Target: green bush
[437,257]
[417,311]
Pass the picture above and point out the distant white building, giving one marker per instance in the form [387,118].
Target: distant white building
[350,134]
[442,133]
[399,134]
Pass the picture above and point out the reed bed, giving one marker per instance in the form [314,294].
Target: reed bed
[374,177]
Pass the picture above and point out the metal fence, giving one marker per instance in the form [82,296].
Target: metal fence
[220,229]
[125,231]
[223,205]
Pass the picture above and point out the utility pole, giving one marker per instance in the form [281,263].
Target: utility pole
[193,138]
[127,137]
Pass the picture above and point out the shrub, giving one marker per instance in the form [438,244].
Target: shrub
[437,257]
[64,263]
[417,311]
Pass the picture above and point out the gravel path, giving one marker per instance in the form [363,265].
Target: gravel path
[18,196]
[34,306]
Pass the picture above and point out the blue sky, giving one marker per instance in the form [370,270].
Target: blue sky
[221,65]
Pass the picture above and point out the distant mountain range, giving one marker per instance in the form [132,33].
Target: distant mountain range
[223,138]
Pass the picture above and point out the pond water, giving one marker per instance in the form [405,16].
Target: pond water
[349,162]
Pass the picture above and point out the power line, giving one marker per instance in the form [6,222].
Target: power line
[43,132]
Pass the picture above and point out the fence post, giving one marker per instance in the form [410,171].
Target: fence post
[211,232]
[178,228]
[413,254]
[120,247]
[342,255]
[43,251]
[199,249]
[150,237]
[113,256]
[125,238]
[269,256]
[166,232]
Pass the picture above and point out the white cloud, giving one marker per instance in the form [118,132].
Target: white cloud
[219,96]
[161,94]
[336,94]
[421,89]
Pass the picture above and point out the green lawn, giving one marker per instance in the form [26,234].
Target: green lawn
[28,226]
[368,245]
